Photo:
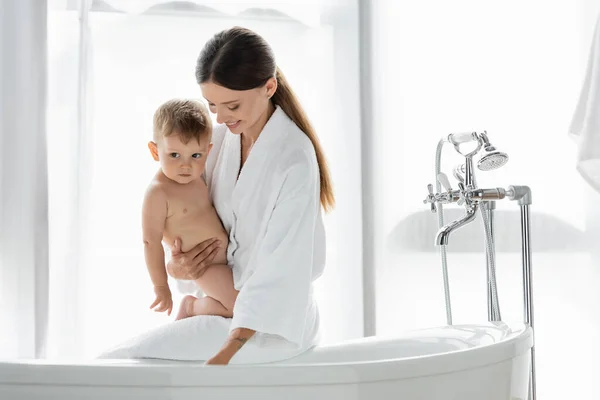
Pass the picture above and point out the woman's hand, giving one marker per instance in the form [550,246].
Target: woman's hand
[191,264]
[220,358]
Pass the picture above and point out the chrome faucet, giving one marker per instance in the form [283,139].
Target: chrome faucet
[443,235]
[464,195]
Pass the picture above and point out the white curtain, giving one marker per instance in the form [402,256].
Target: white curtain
[23,180]
[515,69]
[111,63]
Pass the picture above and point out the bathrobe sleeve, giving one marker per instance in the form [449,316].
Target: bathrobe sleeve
[275,298]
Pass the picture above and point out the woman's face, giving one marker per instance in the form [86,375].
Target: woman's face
[240,110]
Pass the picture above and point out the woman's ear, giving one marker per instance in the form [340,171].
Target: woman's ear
[271,87]
[153,150]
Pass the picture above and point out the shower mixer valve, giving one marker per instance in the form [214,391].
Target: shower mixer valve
[445,197]
[467,192]
[468,196]
[448,196]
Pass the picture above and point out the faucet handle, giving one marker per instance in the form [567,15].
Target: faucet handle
[430,198]
[461,201]
[443,180]
[464,196]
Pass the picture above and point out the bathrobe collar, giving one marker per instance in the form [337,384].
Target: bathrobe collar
[268,141]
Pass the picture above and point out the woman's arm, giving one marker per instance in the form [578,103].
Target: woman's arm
[190,265]
[237,339]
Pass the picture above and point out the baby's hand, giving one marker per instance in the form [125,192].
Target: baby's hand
[164,300]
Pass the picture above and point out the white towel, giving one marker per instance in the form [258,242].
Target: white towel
[198,339]
[585,126]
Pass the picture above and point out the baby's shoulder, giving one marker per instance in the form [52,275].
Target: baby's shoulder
[156,189]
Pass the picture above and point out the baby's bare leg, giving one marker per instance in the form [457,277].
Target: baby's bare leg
[191,307]
[217,283]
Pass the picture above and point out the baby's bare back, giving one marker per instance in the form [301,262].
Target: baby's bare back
[192,218]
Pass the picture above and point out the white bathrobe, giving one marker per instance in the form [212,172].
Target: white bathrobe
[273,215]
[277,249]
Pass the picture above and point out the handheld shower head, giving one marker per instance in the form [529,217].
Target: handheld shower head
[492,159]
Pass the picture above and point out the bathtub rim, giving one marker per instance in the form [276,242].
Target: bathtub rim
[119,373]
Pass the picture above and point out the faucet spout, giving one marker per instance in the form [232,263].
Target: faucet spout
[443,234]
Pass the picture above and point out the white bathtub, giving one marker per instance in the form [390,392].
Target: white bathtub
[469,362]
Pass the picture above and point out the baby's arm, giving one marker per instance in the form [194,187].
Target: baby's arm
[154,215]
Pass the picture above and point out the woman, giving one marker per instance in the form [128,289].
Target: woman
[268,179]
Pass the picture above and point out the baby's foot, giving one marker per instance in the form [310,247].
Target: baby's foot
[185,308]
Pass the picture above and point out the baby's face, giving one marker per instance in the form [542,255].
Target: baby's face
[182,162]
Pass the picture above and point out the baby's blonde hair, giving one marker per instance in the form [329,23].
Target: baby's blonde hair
[187,118]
